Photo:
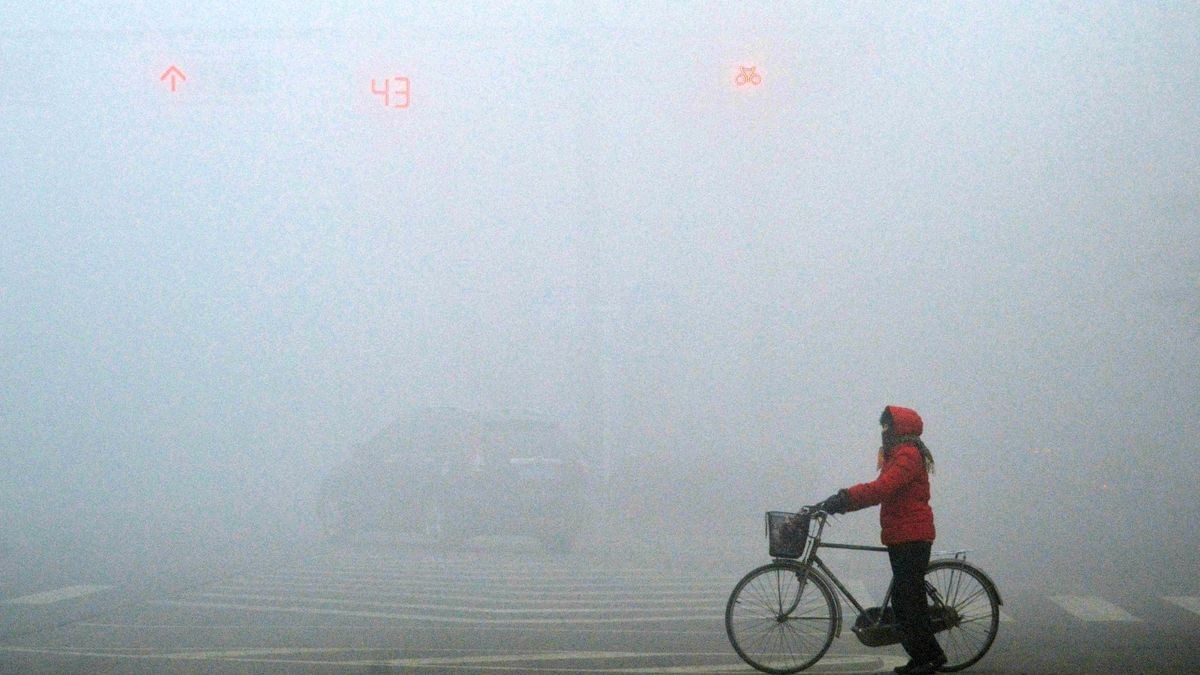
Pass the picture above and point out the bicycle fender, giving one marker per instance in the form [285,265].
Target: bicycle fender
[983,576]
[990,584]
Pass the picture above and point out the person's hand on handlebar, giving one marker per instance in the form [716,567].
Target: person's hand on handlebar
[838,502]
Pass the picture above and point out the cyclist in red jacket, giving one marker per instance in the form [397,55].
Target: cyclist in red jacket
[902,492]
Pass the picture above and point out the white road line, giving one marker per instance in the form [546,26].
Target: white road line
[554,571]
[631,590]
[357,628]
[428,618]
[467,585]
[859,663]
[56,595]
[501,589]
[507,581]
[559,567]
[517,562]
[1191,604]
[838,663]
[514,659]
[148,653]
[476,599]
[486,569]
[469,609]
[828,664]
[1092,608]
[495,592]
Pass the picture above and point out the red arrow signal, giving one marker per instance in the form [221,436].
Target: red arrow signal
[173,72]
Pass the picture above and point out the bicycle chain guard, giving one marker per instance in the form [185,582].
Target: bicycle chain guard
[875,631]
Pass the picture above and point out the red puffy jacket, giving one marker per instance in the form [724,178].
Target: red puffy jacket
[902,488]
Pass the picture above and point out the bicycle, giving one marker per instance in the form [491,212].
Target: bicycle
[747,76]
[782,617]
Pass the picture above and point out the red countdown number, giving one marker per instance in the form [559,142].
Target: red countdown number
[393,88]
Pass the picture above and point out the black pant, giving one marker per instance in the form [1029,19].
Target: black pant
[909,561]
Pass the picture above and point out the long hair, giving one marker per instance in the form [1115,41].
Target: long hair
[924,449]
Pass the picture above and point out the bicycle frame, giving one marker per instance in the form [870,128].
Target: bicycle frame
[771,618]
[816,561]
[813,561]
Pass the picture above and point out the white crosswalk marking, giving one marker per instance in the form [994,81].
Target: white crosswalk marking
[1191,604]
[476,608]
[57,595]
[532,594]
[1092,608]
[623,619]
[618,609]
[479,598]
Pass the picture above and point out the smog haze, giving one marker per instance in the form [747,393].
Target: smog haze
[210,296]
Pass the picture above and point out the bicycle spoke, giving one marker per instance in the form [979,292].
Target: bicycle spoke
[762,600]
[777,624]
[763,596]
[764,636]
[967,600]
[793,632]
[956,644]
[792,651]
[957,587]
[766,640]
[974,620]
[761,631]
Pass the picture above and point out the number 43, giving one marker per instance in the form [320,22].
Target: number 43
[401,91]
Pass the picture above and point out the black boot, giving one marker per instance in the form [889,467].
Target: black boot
[906,668]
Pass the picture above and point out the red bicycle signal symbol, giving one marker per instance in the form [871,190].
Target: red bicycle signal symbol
[747,75]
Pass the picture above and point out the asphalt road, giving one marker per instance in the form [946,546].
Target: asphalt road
[388,604]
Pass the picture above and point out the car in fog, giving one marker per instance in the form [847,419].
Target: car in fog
[451,474]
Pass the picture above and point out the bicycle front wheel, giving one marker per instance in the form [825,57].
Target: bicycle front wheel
[776,623]
[966,610]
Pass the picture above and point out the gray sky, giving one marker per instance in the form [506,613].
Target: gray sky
[986,212]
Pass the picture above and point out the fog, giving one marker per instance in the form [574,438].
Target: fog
[208,297]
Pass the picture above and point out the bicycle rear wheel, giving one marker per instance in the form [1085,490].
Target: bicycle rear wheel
[775,624]
[965,608]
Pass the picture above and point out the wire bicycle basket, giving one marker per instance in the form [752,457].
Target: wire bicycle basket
[787,534]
